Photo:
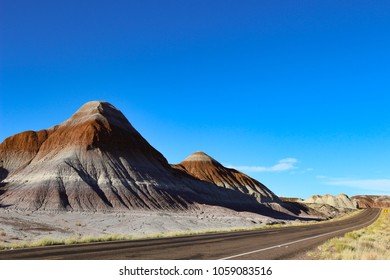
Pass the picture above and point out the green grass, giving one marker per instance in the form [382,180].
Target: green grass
[370,243]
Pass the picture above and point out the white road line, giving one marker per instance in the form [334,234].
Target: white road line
[293,242]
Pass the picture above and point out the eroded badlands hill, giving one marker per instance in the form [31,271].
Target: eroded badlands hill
[340,201]
[372,201]
[96,160]
[205,168]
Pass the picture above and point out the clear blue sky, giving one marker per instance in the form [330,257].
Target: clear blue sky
[294,93]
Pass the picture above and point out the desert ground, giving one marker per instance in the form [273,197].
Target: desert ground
[22,227]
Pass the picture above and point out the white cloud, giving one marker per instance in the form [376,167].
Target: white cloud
[282,165]
[382,185]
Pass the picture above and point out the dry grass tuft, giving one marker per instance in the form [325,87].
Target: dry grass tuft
[370,243]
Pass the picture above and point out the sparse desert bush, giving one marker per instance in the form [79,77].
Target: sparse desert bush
[69,241]
[90,239]
[370,243]
[45,242]
[353,235]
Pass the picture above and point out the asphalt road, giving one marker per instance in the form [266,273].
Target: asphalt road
[277,243]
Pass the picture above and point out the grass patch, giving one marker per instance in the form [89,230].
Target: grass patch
[121,237]
[353,235]
[113,237]
[68,241]
[370,243]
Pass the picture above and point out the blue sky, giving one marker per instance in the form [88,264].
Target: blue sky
[294,93]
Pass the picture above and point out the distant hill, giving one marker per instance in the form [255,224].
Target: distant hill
[372,201]
[290,199]
[339,201]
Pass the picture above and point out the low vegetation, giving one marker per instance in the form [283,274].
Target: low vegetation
[370,243]
[121,237]
[106,238]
